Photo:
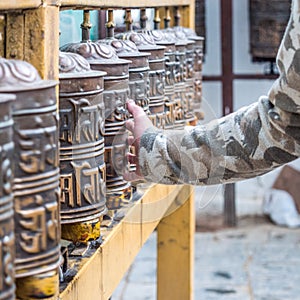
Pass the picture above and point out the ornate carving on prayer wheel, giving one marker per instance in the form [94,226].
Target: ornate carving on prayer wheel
[7,237]
[180,77]
[185,55]
[102,57]
[81,136]
[138,68]
[268,20]
[197,68]
[160,38]
[36,178]
[145,43]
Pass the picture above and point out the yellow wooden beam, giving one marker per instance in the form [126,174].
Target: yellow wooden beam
[122,3]
[175,249]
[41,40]
[19,4]
[154,206]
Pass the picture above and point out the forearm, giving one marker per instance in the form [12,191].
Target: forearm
[242,145]
[247,143]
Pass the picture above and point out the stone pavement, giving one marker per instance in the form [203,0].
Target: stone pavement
[255,261]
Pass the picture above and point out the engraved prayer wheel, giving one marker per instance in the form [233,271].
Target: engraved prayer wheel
[36,179]
[188,56]
[156,75]
[146,44]
[181,104]
[138,68]
[81,136]
[268,20]
[197,60]
[172,111]
[7,236]
[102,57]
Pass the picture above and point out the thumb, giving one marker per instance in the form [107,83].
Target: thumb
[134,109]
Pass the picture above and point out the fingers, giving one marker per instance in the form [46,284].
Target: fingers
[130,140]
[134,109]
[129,125]
[131,158]
[131,176]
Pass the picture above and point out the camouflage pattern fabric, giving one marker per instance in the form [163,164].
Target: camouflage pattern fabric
[250,142]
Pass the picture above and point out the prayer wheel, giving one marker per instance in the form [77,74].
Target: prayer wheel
[81,136]
[194,74]
[36,179]
[138,68]
[185,55]
[180,87]
[172,111]
[103,57]
[7,236]
[268,20]
[156,59]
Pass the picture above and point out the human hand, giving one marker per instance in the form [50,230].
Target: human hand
[137,127]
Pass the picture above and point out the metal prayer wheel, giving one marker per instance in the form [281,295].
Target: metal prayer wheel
[197,60]
[36,179]
[7,236]
[102,57]
[81,136]
[185,55]
[156,60]
[138,75]
[181,104]
[196,57]
[138,68]
[268,20]
[171,110]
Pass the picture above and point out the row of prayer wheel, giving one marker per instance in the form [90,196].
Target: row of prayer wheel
[61,165]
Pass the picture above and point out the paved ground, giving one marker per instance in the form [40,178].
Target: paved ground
[255,261]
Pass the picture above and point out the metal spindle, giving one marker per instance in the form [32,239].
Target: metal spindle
[86,26]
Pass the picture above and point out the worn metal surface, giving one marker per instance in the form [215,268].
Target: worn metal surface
[145,43]
[36,176]
[161,39]
[81,136]
[138,67]
[180,77]
[194,72]
[268,20]
[116,91]
[7,237]
[188,100]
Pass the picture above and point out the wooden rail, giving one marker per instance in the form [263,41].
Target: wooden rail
[29,4]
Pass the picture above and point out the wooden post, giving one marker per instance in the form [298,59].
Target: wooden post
[33,36]
[42,40]
[175,246]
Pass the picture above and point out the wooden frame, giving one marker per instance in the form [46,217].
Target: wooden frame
[31,32]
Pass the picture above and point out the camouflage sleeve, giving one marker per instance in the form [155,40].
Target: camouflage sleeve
[244,144]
